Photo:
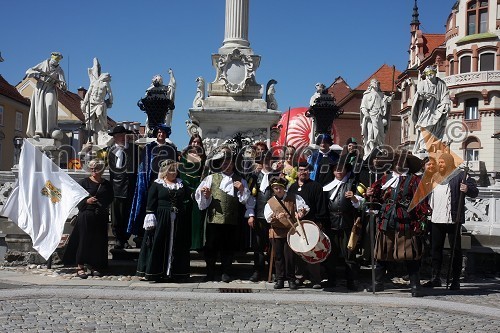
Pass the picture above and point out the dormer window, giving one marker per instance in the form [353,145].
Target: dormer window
[477,17]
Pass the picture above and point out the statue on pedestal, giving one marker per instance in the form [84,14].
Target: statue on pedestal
[430,109]
[95,104]
[272,104]
[200,92]
[374,112]
[42,120]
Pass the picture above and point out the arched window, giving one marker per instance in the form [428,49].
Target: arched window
[477,17]
[465,64]
[487,62]
[471,149]
[471,112]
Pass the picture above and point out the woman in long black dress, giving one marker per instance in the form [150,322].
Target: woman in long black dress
[91,229]
[164,252]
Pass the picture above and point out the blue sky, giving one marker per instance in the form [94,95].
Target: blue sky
[301,42]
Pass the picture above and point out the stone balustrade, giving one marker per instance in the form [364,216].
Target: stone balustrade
[472,78]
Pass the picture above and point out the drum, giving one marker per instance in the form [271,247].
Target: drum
[314,247]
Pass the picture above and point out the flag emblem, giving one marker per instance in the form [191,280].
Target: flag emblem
[49,190]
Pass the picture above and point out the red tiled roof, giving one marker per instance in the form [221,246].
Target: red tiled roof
[432,41]
[72,102]
[339,89]
[11,92]
[385,76]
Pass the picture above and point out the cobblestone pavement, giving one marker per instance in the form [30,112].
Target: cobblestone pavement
[36,299]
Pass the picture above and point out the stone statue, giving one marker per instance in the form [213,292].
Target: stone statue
[374,113]
[95,104]
[157,103]
[430,109]
[171,96]
[200,93]
[42,120]
[270,99]
[320,87]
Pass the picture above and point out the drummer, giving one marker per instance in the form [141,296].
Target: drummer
[277,212]
[343,204]
[312,193]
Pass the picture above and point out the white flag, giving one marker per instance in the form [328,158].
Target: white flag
[42,200]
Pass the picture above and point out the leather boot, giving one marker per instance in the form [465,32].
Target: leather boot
[379,279]
[415,285]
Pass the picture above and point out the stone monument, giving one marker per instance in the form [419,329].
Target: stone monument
[234,103]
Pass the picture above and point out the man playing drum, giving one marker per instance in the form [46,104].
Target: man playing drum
[278,212]
[343,207]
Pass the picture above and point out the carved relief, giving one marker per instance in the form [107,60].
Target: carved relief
[476,210]
[235,69]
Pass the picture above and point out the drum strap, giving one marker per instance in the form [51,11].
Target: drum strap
[292,217]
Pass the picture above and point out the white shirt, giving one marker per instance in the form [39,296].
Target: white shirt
[226,185]
[440,202]
[299,203]
[335,184]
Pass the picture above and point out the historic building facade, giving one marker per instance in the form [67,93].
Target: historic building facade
[467,57]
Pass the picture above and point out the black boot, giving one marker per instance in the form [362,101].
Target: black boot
[379,279]
[415,285]
[280,284]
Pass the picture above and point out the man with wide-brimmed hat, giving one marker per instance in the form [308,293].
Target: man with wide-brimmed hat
[224,194]
[122,162]
[399,231]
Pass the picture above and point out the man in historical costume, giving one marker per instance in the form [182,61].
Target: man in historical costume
[374,109]
[122,162]
[322,160]
[343,205]
[224,195]
[151,157]
[42,120]
[312,193]
[281,211]
[95,105]
[256,219]
[430,109]
[445,201]
[399,231]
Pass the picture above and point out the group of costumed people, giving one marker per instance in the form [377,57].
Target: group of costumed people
[180,201]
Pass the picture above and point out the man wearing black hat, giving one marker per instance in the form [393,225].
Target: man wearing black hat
[322,160]
[312,193]
[399,230]
[343,207]
[122,162]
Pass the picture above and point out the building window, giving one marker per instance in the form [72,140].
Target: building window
[452,67]
[487,62]
[465,63]
[472,155]
[19,121]
[471,112]
[477,17]
[1,115]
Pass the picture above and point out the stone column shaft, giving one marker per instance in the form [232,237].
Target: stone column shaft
[236,29]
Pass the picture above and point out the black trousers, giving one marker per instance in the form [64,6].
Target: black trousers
[284,260]
[223,239]
[260,237]
[120,212]
[339,240]
[438,235]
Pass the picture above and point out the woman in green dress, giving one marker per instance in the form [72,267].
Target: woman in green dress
[192,165]
[164,255]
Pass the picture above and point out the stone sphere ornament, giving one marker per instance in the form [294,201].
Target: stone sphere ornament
[57,135]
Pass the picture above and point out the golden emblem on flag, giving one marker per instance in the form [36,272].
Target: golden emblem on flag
[49,190]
